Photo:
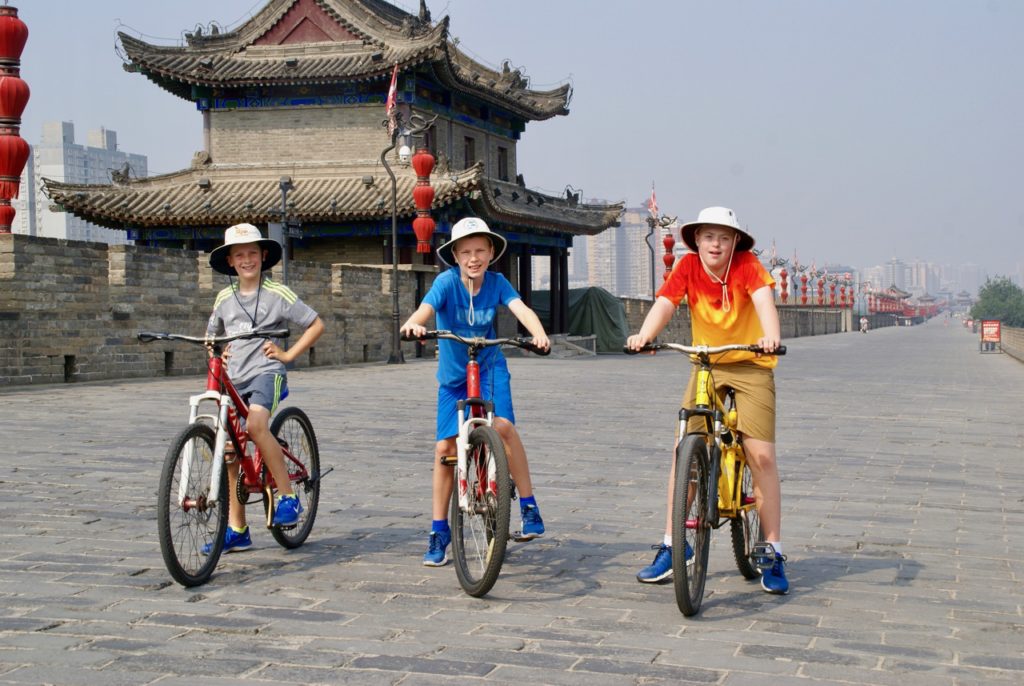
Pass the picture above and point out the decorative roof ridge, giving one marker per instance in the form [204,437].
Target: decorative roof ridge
[365,23]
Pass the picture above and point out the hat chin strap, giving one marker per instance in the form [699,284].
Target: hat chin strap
[726,305]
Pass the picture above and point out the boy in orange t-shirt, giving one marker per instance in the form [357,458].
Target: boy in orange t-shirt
[731,300]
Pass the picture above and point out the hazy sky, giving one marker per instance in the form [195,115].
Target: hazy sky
[850,131]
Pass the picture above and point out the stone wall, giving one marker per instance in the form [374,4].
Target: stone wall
[1013,342]
[70,311]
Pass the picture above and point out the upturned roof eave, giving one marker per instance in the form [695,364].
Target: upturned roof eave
[232,195]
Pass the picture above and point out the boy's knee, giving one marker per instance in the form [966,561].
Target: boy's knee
[444,448]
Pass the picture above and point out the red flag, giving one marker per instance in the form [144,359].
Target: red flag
[652,204]
[391,101]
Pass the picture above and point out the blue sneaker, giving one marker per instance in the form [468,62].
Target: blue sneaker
[533,525]
[232,541]
[287,511]
[773,579]
[661,568]
[436,555]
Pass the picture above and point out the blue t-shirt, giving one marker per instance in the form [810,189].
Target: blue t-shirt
[451,302]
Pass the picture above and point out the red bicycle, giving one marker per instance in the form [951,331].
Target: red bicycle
[192,510]
[481,502]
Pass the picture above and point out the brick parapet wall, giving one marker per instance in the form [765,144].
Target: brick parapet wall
[1013,342]
[794,321]
[71,311]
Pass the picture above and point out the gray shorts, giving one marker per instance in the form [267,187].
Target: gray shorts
[266,390]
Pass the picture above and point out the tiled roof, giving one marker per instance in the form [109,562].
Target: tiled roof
[373,41]
[221,196]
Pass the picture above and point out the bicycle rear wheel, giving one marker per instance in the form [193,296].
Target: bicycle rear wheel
[480,535]
[294,432]
[189,516]
[746,527]
[691,527]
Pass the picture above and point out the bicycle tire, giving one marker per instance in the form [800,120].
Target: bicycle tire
[184,531]
[479,538]
[294,431]
[691,523]
[746,527]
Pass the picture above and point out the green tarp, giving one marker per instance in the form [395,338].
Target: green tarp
[592,312]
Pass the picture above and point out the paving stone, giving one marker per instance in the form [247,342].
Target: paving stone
[901,511]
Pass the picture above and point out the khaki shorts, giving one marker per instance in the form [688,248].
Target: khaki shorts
[755,398]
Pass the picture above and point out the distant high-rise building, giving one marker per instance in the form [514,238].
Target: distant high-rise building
[58,157]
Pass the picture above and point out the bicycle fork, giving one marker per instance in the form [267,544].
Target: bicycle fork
[218,453]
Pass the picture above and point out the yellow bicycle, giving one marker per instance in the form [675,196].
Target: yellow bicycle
[711,470]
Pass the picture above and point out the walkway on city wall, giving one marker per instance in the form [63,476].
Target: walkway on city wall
[901,455]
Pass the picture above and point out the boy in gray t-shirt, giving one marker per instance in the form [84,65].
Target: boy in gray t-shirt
[257,365]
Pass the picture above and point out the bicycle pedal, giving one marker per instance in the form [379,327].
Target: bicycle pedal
[449,460]
[762,556]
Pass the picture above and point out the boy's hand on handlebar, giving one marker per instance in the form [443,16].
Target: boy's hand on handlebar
[769,345]
[542,342]
[413,331]
[636,342]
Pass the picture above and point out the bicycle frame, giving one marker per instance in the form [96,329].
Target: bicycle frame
[481,412]
[231,411]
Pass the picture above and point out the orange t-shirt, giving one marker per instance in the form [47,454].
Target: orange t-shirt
[711,324]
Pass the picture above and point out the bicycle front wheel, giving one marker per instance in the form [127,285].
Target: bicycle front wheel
[294,432]
[192,515]
[746,527]
[480,533]
[691,525]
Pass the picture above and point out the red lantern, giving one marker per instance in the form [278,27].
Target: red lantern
[423,163]
[423,227]
[13,97]
[13,156]
[669,257]
[803,289]
[423,197]
[783,275]
[13,34]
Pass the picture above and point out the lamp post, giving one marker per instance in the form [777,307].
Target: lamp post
[419,126]
[653,222]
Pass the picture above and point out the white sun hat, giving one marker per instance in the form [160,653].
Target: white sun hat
[239,234]
[470,226]
[720,216]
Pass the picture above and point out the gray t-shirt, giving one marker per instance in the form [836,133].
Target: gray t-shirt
[272,306]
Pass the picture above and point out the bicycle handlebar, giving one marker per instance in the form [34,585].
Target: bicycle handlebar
[149,336]
[518,341]
[703,349]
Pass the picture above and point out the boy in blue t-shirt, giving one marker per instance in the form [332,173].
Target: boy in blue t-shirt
[465,301]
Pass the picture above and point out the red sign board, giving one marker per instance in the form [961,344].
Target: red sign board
[990,330]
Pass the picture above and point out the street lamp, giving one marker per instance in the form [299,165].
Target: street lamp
[653,222]
[418,126]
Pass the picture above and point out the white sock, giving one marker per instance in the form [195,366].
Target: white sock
[777,545]
[668,540]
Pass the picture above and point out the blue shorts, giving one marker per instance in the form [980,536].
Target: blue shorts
[495,386]
[265,390]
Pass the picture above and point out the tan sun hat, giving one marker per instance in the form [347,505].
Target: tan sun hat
[720,216]
[237,235]
[470,226]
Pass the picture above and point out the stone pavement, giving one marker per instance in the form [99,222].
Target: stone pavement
[903,507]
